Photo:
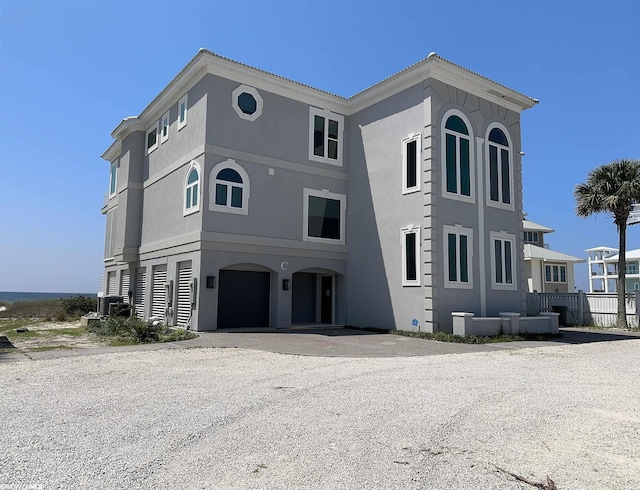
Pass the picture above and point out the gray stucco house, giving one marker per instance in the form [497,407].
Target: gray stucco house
[241,198]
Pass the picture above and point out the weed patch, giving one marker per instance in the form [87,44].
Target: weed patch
[474,339]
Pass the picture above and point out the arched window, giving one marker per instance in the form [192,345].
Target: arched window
[229,188]
[457,167]
[500,168]
[192,189]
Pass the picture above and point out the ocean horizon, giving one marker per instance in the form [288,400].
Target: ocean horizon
[13,296]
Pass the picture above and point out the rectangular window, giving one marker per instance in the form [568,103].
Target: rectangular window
[411,256]
[152,138]
[631,268]
[113,179]
[555,273]
[503,260]
[324,214]
[411,163]
[164,128]
[182,112]
[458,253]
[325,136]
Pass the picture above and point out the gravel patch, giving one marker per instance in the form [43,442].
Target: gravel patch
[234,418]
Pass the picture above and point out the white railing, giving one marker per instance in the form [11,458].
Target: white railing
[599,309]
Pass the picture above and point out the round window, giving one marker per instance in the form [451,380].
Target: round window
[247,102]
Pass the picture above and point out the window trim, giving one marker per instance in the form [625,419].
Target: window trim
[417,137]
[458,230]
[443,157]
[326,114]
[156,128]
[324,193]
[534,237]
[503,237]
[113,178]
[164,137]
[246,188]
[198,184]
[411,229]
[499,204]
[236,107]
[183,100]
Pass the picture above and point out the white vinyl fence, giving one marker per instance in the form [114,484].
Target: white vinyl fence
[599,309]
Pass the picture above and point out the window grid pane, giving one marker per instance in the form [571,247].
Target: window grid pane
[464,265]
[563,273]
[187,203]
[452,172]
[547,273]
[498,260]
[453,268]
[411,163]
[508,263]
[323,220]
[506,193]
[465,170]
[410,256]
[318,136]
[195,195]
[493,173]
[236,197]
[221,194]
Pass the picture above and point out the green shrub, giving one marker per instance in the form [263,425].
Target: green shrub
[79,305]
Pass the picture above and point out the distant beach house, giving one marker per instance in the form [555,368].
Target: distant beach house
[241,198]
[546,271]
[603,270]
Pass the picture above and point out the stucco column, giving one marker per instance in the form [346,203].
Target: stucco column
[481,225]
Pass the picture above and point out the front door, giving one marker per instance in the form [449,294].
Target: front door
[326,299]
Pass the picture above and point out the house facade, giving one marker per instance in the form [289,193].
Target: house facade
[240,198]
[603,270]
[545,270]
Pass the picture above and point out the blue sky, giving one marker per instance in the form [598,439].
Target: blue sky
[71,70]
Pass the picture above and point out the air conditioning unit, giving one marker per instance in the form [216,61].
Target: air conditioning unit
[106,302]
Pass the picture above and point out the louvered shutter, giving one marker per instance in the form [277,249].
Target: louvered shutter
[158,291]
[184,293]
[124,286]
[141,278]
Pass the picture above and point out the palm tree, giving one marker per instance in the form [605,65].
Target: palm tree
[612,188]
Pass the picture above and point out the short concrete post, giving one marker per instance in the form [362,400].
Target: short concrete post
[462,323]
[513,320]
[554,320]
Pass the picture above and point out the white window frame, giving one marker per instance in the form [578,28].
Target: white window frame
[443,157]
[457,230]
[165,123]
[499,204]
[187,210]
[531,236]
[324,193]
[417,137]
[414,230]
[245,186]
[503,237]
[156,128]
[113,178]
[550,267]
[326,114]
[184,100]
[236,107]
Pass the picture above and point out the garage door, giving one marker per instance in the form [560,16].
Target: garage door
[243,299]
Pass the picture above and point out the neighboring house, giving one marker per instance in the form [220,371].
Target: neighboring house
[603,270]
[241,198]
[546,271]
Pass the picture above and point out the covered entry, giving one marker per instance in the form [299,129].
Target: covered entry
[312,299]
[243,299]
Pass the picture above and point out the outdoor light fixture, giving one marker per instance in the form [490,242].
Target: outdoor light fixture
[211,282]
[285,284]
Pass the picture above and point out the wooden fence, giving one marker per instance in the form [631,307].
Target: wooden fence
[599,309]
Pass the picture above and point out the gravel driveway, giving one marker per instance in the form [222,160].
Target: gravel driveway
[234,418]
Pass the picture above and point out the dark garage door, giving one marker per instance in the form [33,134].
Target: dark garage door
[243,299]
